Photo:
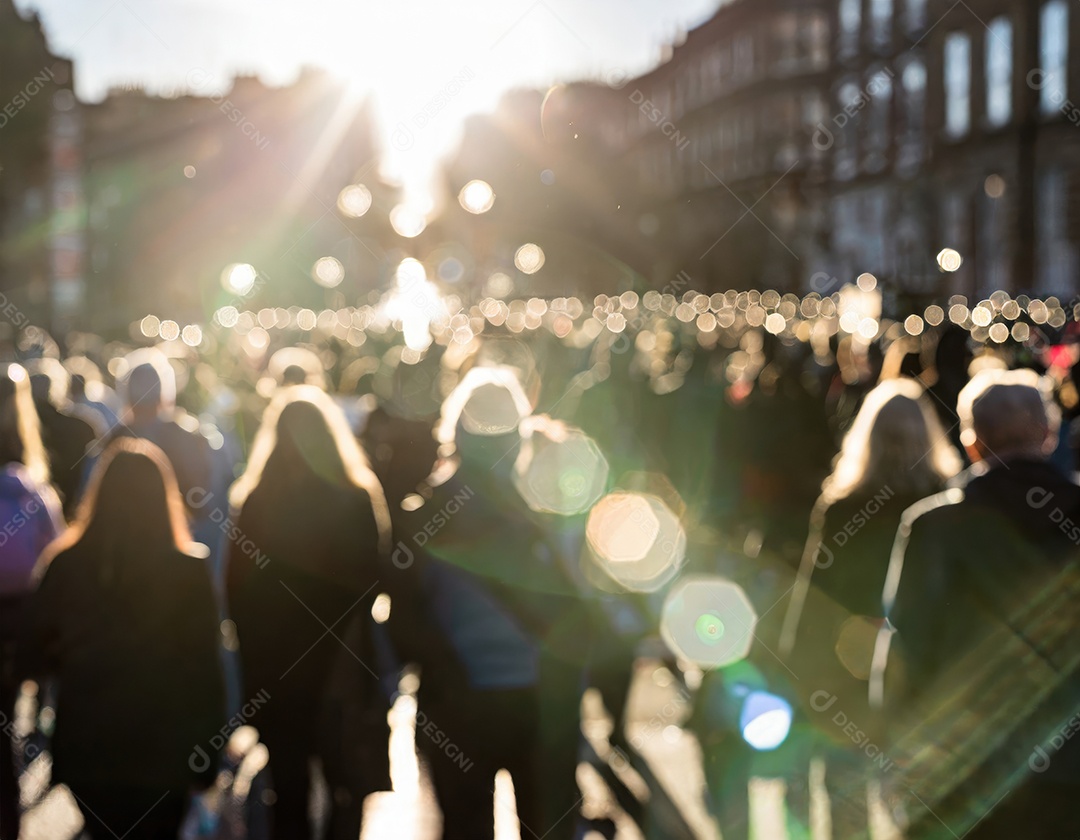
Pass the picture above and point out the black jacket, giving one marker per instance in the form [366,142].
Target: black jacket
[136,665]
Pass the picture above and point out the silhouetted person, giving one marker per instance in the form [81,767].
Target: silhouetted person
[87,389]
[502,674]
[69,431]
[149,395]
[311,524]
[28,505]
[964,564]
[894,454]
[124,622]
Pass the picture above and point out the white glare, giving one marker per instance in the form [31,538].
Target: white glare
[477,197]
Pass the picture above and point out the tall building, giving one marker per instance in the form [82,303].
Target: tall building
[795,145]
[40,202]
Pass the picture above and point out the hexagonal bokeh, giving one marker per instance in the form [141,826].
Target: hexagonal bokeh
[637,540]
[855,644]
[708,621]
[560,469]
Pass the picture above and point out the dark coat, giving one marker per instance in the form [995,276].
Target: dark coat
[835,609]
[303,575]
[961,647]
[136,665]
[960,566]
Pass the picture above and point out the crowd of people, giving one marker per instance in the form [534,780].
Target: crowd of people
[177,541]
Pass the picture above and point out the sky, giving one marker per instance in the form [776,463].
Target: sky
[411,54]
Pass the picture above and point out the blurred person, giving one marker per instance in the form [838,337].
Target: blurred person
[148,391]
[87,388]
[30,508]
[311,523]
[124,622]
[503,655]
[964,566]
[895,453]
[68,430]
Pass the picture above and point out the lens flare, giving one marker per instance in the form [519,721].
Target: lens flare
[637,540]
[708,621]
[765,720]
[559,469]
[239,278]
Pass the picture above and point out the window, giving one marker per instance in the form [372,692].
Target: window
[957,84]
[1056,257]
[815,39]
[881,13]
[1053,55]
[744,55]
[879,88]
[786,30]
[999,37]
[913,81]
[850,100]
[850,23]
[915,17]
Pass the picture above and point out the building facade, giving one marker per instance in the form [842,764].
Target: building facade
[795,145]
[41,244]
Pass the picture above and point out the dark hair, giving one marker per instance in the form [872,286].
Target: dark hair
[132,510]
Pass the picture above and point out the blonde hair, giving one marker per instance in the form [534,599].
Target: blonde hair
[20,428]
[343,462]
[897,441]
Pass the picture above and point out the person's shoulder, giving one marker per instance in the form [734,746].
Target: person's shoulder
[938,509]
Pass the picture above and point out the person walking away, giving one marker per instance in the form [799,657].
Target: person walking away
[124,622]
[302,577]
[30,508]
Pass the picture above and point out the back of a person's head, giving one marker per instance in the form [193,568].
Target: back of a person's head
[20,430]
[149,382]
[133,507]
[479,419]
[1005,413]
[896,446]
[304,439]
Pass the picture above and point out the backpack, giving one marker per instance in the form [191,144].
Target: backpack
[26,527]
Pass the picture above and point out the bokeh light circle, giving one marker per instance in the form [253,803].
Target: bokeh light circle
[354,201]
[637,540]
[559,468]
[407,221]
[239,278]
[328,272]
[708,621]
[529,258]
[477,197]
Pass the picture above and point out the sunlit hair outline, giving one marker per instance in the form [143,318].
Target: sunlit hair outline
[1035,420]
[928,458]
[24,434]
[87,511]
[353,464]
[153,357]
[453,406]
